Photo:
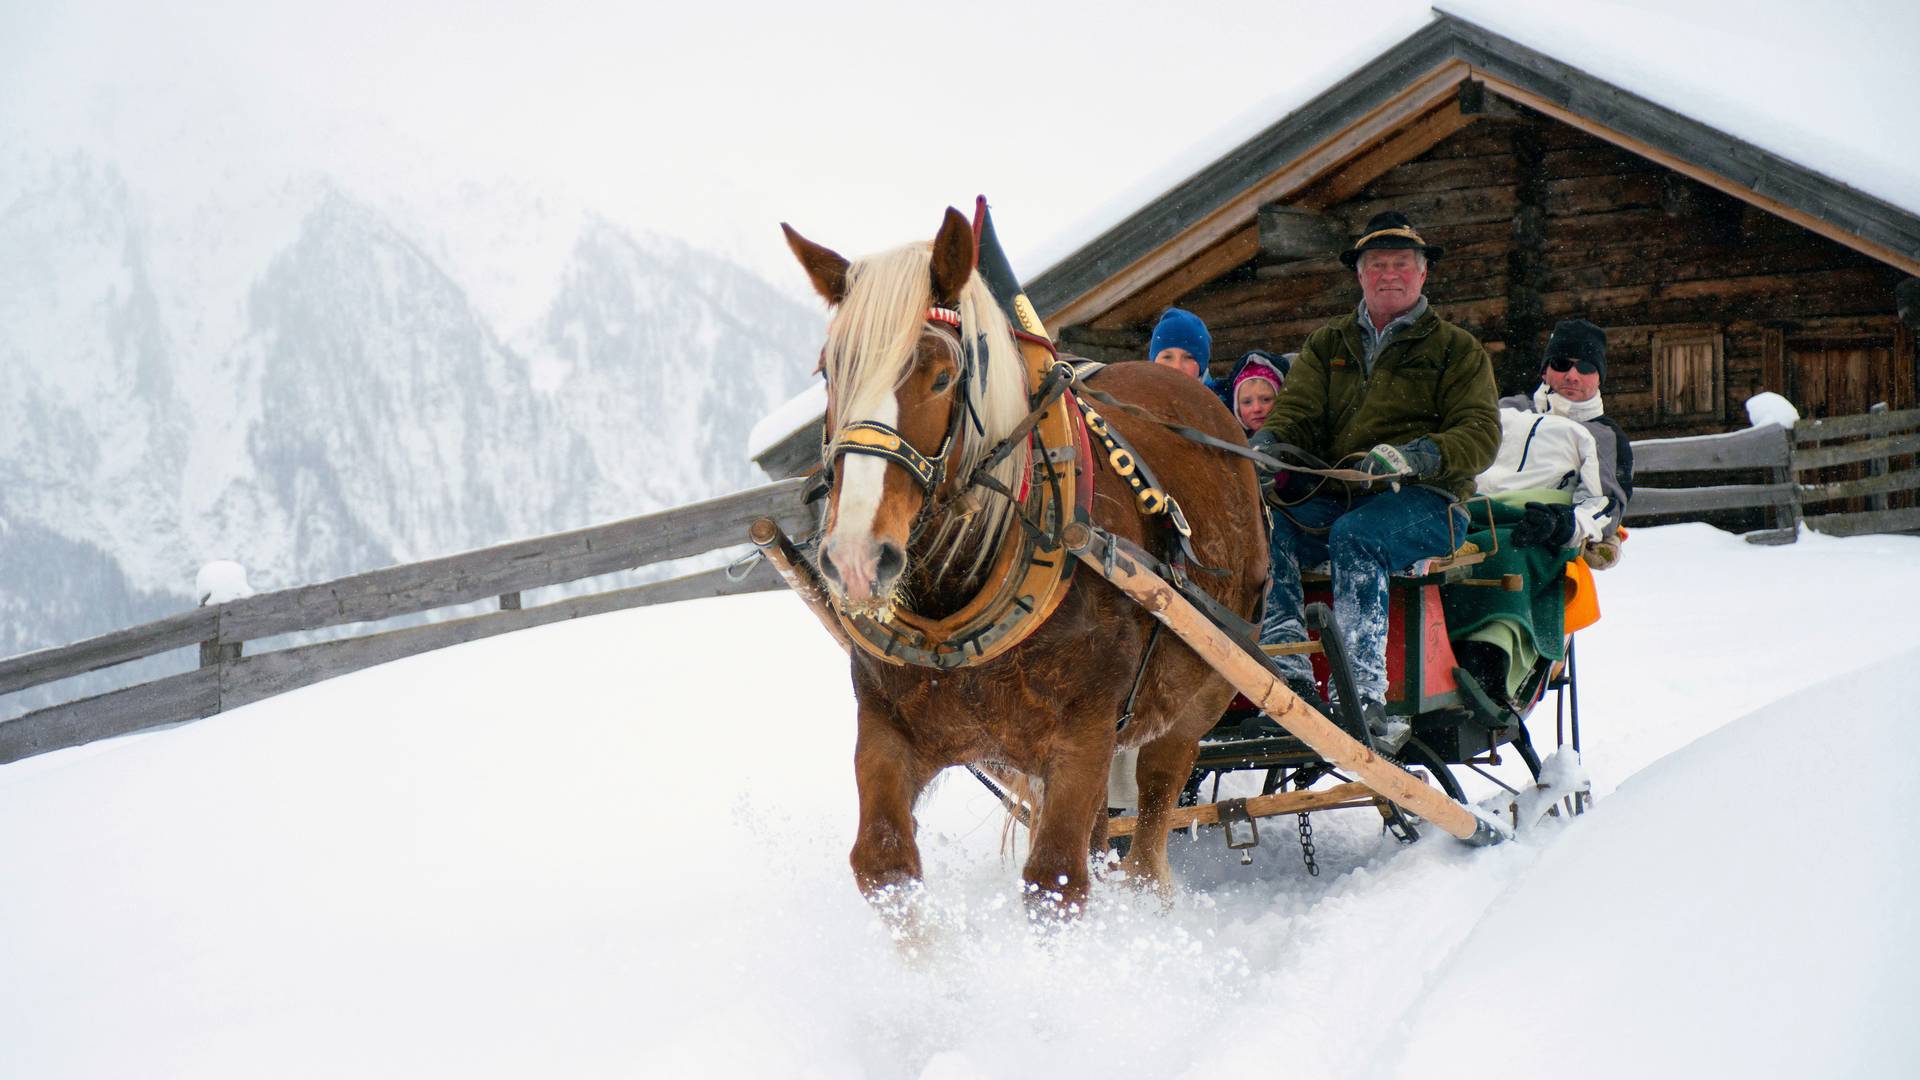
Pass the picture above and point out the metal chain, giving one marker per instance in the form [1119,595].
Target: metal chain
[1306,845]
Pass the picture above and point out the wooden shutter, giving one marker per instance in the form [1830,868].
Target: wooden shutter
[1689,373]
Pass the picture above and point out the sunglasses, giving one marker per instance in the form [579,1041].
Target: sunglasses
[1563,363]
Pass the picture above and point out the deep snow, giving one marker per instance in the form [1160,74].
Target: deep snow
[606,848]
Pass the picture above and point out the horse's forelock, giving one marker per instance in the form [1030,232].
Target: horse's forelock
[873,333]
[869,351]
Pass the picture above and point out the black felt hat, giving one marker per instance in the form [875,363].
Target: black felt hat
[1390,230]
[1576,340]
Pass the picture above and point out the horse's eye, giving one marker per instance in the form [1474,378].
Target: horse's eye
[942,381]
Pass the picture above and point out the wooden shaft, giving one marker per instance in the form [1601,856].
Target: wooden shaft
[1263,688]
[799,576]
[1505,582]
[1283,802]
[1292,648]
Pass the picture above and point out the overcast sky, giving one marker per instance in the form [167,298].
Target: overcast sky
[859,122]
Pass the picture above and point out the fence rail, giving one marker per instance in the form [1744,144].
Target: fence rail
[1876,440]
[229,676]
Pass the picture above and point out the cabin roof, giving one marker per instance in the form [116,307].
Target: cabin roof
[1390,110]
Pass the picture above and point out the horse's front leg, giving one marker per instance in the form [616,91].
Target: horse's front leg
[1076,793]
[886,861]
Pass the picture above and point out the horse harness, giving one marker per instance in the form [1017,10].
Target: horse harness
[1030,570]
[1030,575]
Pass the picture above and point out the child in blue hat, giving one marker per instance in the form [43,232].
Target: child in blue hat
[1180,340]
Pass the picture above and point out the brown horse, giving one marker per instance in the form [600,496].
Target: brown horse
[1047,707]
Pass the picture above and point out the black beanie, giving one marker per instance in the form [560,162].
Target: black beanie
[1578,339]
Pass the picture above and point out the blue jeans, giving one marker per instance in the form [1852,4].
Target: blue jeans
[1379,535]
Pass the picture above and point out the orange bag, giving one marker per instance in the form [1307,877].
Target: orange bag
[1583,601]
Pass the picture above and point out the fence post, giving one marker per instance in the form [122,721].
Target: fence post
[1877,429]
[1786,509]
[214,654]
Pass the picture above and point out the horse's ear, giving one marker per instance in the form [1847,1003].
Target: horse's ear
[827,268]
[952,258]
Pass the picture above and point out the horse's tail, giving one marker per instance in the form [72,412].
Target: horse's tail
[1024,796]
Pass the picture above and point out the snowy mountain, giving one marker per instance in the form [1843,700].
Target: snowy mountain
[313,380]
[395,874]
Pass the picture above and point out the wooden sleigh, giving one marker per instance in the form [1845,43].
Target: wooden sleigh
[1455,724]
[1458,724]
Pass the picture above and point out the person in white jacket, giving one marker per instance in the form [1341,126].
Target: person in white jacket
[1574,367]
[1549,452]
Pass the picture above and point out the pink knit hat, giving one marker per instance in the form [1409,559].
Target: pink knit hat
[1257,371]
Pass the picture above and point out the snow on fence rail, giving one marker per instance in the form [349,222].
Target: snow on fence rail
[1845,467]
[229,677]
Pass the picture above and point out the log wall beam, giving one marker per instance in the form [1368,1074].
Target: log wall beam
[1291,234]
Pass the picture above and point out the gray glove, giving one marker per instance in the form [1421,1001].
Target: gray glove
[1409,461]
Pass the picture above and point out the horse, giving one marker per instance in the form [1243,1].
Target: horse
[895,356]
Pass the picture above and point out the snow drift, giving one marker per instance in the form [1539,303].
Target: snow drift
[611,848]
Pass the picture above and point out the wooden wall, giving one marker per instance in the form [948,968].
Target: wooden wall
[1543,222]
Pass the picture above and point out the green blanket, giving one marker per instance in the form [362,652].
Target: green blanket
[1525,624]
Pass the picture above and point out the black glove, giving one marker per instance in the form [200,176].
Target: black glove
[1408,461]
[1544,526]
[1289,488]
[1264,441]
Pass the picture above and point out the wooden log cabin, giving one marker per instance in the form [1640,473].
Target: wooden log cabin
[1717,269]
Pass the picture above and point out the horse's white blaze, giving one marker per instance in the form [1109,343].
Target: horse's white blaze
[862,483]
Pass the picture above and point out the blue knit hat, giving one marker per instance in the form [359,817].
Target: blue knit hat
[1181,329]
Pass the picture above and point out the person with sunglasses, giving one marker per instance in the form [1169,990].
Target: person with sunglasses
[1570,379]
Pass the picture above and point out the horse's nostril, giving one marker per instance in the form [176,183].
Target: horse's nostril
[892,561]
[827,568]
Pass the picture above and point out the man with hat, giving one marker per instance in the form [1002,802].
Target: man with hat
[1398,392]
[1576,365]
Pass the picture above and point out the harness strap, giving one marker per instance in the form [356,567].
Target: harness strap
[1354,476]
[1126,711]
[875,439]
[1153,499]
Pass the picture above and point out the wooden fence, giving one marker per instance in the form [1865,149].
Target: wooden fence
[1797,487]
[230,676]
[1839,475]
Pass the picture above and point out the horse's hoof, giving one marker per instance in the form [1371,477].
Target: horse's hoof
[1157,880]
[902,910]
[1056,907]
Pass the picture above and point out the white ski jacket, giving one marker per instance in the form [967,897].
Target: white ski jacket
[1546,450]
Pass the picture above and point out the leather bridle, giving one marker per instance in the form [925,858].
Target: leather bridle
[871,438]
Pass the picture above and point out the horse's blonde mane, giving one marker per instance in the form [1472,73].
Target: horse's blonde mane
[870,344]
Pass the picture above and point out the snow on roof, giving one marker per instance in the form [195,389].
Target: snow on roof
[1787,78]
[800,410]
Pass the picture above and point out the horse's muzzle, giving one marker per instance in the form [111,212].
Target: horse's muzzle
[865,572]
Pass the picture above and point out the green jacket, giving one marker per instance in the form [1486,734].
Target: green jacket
[1433,379]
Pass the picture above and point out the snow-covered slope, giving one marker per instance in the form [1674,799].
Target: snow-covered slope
[612,848]
[283,370]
